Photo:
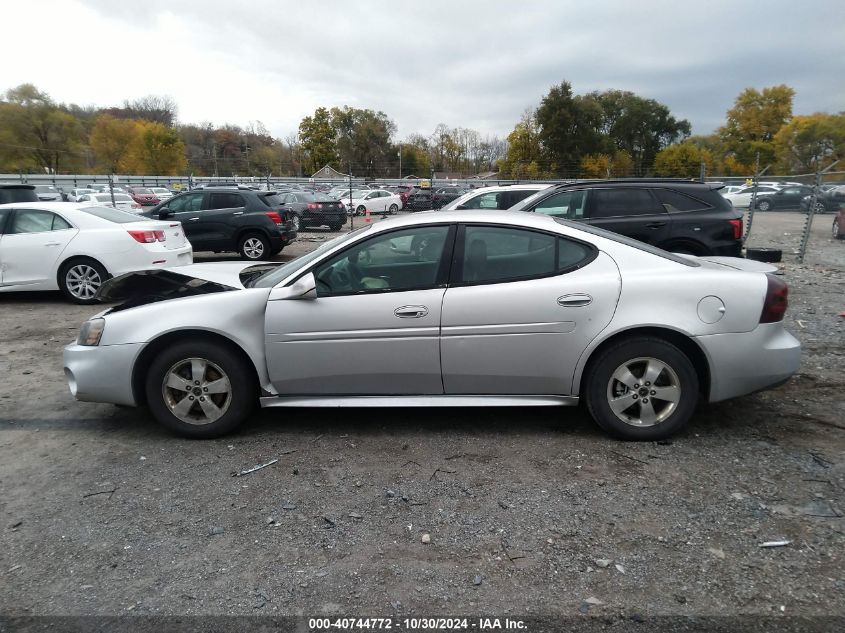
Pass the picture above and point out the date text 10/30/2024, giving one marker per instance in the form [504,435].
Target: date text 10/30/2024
[416,624]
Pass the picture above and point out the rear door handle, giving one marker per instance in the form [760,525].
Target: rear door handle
[238,213]
[411,312]
[53,244]
[192,219]
[574,300]
[655,225]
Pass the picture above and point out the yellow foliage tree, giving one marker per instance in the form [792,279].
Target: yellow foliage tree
[112,141]
[156,150]
[809,142]
[682,160]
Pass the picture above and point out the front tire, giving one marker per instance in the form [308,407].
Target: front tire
[642,389]
[837,233]
[361,210]
[393,209]
[296,222]
[253,247]
[200,389]
[80,279]
[765,205]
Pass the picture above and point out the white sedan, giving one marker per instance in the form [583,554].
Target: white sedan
[742,198]
[75,194]
[162,193]
[374,201]
[122,201]
[76,247]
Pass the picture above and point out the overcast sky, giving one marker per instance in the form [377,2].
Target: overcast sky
[463,63]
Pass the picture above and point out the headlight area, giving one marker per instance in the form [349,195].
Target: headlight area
[91,332]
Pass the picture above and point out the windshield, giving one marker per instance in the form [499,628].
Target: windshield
[276,275]
[45,189]
[104,197]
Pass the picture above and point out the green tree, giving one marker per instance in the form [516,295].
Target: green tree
[363,140]
[523,154]
[44,136]
[641,127]
[317,138]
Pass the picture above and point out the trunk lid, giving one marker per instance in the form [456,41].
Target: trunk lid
[174,234]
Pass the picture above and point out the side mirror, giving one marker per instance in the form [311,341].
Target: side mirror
[460,207]
[304,288]
[163,214]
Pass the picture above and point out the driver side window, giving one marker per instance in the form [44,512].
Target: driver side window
[396,261]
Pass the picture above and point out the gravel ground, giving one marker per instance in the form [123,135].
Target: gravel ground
[428,512]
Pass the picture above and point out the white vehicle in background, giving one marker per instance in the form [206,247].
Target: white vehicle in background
[122,201]
[731,189]
[742,198]
[48,193]
[75,248]
[496,197]
[374,201]
[75,194]
[162,193]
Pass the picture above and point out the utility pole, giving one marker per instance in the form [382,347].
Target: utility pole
[753,204]
[214,153]
[400,161]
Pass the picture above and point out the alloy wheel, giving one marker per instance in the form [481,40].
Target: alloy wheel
[196,391]
[83,281]
[253,248]
[643,391]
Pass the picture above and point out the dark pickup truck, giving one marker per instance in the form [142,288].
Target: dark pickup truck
[252,223]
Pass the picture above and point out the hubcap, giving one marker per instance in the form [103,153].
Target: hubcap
[296,223]
[253,248]
[643,391]
[196,391]
[83,281]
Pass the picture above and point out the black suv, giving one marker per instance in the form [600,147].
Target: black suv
[681,216]
[11,192]
[252,223]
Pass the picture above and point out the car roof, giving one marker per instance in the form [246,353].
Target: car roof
[519,218]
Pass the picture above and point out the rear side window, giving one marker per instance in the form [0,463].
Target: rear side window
[225,201]
[185,202]
[4,214]
[499,254]
[610,203]
[675,201]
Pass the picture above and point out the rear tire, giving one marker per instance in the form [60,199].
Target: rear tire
[393,209]
[641,389]
[837,233]
[223,378]
[296,222]
[361,210]
[253,247]
[765,205]
[80,279]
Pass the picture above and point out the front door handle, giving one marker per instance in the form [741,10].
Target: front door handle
[238,213]
[411,312]
[655,225]
[192,219]
[574,300]
[53,244]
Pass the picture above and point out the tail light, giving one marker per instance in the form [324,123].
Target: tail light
[148,237]
[273,215]
[737,227]
[777,300]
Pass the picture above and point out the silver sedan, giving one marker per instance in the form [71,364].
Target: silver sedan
[477,308]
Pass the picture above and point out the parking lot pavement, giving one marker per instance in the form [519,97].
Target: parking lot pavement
[535,511]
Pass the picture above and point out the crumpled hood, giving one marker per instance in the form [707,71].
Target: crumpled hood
[150,286]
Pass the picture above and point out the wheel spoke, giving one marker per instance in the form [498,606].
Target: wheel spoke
[624,375]
[198,367]
[181,408]
[672,393]
[211,410]
[175,381]
[218,386]
[622,402]
[653,369]
[647,414]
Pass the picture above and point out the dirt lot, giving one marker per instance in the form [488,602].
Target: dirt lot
[528,511]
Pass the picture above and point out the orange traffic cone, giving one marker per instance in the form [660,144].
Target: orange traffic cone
[367,215]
